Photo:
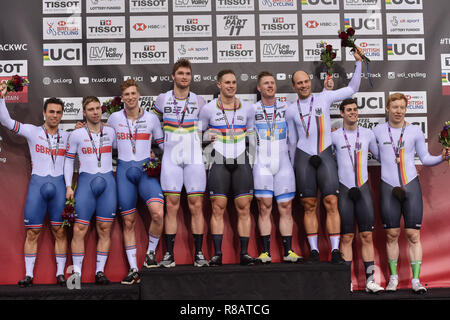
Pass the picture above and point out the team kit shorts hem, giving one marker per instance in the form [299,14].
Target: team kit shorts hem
[411,209]
[45,194]
[96,193]
[225,178]
[309,179]
[133,181]
[362,210]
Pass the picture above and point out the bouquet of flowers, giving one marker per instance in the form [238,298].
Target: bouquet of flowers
[68,214]
[112,105]
[444,137]
[152,167]
[327,56]
[348,40]
[15,84]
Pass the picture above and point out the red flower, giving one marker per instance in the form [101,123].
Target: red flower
[444,134]
[351,32]
[333,55]
[344,43]
[117,100]
[69,209]
[328,48]
[343,35]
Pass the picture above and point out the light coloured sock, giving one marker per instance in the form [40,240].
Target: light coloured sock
[101,261]
[30,259]
[335,238]
[312,240]
[152,243]
[60,263]
[77,261]
[131,255]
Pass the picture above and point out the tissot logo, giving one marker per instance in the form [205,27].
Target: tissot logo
[61,6]
[149,5]
[234,5]
[232,51]
[105,27]
[63,54]
[149,53]
[280,25]
[188,26]
[313,48]
[13,67]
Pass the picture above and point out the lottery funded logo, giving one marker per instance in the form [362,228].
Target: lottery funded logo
[404,23]
[105,6]
[195,51]
[61,6]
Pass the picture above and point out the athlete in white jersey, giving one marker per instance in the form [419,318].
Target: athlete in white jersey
[310,140]
[182,162]
[96,187]
[135,128]
[273,174]
[398,142]
[230,120]
[46,188]
[352,144]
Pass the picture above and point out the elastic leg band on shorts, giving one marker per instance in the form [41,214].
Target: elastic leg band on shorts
[154,200]
[127,212]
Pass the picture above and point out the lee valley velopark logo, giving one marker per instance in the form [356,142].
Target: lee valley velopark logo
[191,5]
[279,50]
[106,53]
[149,52]
[235,25]
[60,28]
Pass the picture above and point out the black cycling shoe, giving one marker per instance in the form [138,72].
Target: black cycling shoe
[247,260]
[336,257]
[61,280]
[216,260]
[132,277]
[101,279]
[26,282]
[314,257]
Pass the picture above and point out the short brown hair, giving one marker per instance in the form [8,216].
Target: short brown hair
[263,74]
[183,62]
[128,83]
[347,102]
[395,97]
[224,72]
[89,99]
